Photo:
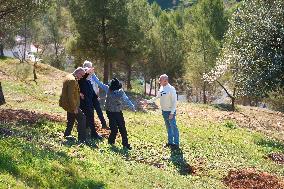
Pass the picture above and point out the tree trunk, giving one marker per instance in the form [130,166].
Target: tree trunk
[232,97]
[34,68]
[1,50]
[145,86]
[151,83]
[106,64]
[2,99]
[57,62]
[204,93]
[25,43]
[129,71]
[110,64]
[155,86]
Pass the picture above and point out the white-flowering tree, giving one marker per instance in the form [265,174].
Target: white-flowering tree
[253,53]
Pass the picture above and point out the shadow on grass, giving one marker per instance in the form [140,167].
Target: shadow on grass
[121,151]
[7,164]
[180,163]
[268,143]
[46,163]
[224,107]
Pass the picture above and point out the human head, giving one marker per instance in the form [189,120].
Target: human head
[164,80]
[79,73]
[88,66]
[115,84]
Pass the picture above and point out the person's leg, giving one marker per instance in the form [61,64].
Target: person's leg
[90,123]
[113,127]
[100,113]
[70,123]
[81,127]
[175,130]
[166,115]
[122,129]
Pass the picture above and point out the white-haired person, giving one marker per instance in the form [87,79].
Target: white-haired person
[168,101]
[96,103]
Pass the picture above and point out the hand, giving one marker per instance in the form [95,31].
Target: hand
[171,116]
[90,71]
[82,96]
[76,111]
[144,102]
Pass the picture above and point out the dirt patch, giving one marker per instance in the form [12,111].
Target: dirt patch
[277,157]
[251,179]
[103,132]
[25,116]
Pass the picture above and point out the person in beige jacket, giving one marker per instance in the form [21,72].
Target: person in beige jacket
[70,102]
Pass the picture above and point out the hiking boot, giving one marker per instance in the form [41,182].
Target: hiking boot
[168,145]
[97,137]
[175,146]
[128,147]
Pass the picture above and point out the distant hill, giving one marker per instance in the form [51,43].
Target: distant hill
[166,4]
[171,4]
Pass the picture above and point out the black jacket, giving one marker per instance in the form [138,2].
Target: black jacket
[87,90]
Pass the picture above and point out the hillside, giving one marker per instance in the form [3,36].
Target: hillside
[170,4]
[219,149]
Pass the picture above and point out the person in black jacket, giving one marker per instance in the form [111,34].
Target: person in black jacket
[88,95]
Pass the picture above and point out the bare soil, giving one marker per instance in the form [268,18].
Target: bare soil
[251,179]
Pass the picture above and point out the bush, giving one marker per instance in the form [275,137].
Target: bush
[275,100]
[229,124]
[23,71]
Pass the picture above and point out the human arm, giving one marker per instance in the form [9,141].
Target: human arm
[126,99]
[72,96]
[153,99]
[173,102]
[95,79]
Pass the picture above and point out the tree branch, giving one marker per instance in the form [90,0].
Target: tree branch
[231,96]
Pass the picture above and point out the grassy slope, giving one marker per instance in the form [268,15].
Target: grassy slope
[36,156]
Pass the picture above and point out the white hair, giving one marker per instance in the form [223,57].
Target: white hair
[87,64]
[78,70]
[164,76]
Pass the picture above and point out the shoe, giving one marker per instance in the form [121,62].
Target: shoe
[69,137]
[175,147]
[128,147]
[81,142]
[168,145]
[97,137]
[111,143]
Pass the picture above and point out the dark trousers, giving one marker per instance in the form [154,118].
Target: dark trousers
[99,112]
[81,126]
[90,123]
[117,123]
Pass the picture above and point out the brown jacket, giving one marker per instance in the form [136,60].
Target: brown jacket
[70,96]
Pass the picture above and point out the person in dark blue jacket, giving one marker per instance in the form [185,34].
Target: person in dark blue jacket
[87,104]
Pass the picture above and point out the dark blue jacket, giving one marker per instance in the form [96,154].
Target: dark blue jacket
[87,90]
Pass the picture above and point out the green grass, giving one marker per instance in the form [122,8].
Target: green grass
[37,155]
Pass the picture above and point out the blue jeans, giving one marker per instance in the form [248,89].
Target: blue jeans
[173,133]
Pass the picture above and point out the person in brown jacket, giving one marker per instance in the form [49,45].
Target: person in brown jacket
[70,102]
